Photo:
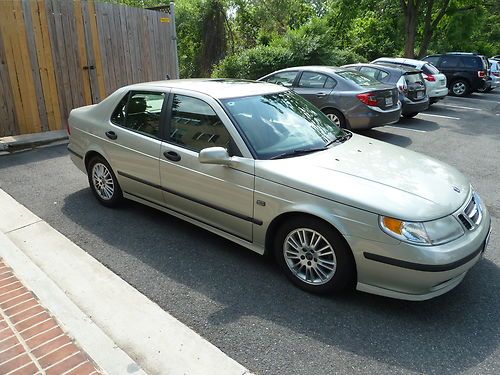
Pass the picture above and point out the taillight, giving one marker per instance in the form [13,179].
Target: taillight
[481,73]
[429,77]
[367,98]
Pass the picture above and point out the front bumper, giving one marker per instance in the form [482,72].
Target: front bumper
[417,273]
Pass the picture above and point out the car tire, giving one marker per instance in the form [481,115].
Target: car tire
[460,87]
[336,117]
[103,182]
[410,115]
[314,256]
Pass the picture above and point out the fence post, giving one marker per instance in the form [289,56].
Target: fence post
[174,38]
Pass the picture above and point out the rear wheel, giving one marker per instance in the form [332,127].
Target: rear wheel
[314,256]
[460,87]
[103,182]
[336,117]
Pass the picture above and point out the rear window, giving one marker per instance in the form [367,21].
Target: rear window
[472,62]
[429,69]
[413,78]
[358,78]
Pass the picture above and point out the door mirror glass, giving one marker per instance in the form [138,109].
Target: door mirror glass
[214,155]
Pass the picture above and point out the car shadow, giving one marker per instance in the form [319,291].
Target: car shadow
[446,335]
[381,135]
[29,155]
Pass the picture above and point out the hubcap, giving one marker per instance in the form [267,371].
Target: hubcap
[459,88]
[333,118]
[309,256]
[103,182]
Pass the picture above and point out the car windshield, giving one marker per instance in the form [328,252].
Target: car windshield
[282,124]
[358,78]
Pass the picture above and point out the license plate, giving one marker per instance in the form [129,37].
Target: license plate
[420,94]
[388,102]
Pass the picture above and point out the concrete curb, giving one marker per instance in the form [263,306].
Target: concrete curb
[121,329]
[29,141]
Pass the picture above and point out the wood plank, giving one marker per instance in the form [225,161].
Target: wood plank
[35,69]
[82,52]
[126,45]
[45,51]
[94,87]
[102,28]
[113,47]
[8,120]
[131,37]
[97,50]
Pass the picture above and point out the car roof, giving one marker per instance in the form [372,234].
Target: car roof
[316,68]
[401,60]
[390,67]
[220,88]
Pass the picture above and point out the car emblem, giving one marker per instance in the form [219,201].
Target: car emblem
[456,189]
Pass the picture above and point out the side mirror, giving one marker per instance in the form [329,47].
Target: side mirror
[214,155]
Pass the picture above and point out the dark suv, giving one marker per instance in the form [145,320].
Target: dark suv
[465,72]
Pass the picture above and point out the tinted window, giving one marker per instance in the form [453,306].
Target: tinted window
[429,69]
[195,125]
[414,78]
[313,80]
[358,78]
[372,72]
[140,112]
[432,59]
[284,78]
[471,62]
[450,62]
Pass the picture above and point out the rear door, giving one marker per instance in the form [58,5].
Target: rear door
[133,142]
[315,87]
[415,85]
[217,195]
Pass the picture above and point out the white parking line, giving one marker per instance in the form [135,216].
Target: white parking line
[449,117]
[405,128]
[460,107]
[477,100]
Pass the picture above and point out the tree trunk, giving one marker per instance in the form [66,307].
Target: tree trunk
[430,25]
[410,11]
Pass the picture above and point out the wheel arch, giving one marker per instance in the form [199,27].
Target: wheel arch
[331,107]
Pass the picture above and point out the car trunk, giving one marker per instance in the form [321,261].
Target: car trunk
[415,86]
[385,96]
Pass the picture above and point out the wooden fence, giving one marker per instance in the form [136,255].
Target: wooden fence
[56,55]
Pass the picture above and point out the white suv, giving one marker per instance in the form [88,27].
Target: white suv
[435,81]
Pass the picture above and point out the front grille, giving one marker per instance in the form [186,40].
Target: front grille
[472,214]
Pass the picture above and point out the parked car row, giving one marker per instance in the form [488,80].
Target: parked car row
[363,96]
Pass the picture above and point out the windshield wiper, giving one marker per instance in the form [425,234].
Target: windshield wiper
[298,152]
[340,139]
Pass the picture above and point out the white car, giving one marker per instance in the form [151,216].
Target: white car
[435,81]
[494,74]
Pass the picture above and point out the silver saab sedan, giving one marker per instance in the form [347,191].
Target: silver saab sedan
[259,165]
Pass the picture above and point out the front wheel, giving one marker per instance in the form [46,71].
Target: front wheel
[336,117]
[103,182]
[314,256]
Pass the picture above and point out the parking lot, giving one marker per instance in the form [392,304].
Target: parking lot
[241,303]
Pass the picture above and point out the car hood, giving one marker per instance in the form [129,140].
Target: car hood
[374,176]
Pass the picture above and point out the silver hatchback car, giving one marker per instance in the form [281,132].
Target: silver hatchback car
[261,166]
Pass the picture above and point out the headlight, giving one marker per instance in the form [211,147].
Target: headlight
[433,232]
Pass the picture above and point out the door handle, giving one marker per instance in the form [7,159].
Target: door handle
[320,95]
[172,155]
[111,134]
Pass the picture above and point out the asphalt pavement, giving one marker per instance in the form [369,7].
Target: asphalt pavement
[240,302]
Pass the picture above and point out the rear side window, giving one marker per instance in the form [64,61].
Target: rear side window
[358,78]
[450,62]
[374,73]
[314,80]
[284,78]
[432,59]
[140,112]
[430,69]
[472,62]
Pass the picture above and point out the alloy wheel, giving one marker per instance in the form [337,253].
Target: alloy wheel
[103,181]
[309,256]
[459,88]
[333,118]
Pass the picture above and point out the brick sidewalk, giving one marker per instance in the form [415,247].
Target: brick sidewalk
[31,341]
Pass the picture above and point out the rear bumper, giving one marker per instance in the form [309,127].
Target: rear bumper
[372,117]
[438,94]
[412,107]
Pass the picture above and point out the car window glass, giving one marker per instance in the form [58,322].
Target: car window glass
[358,78]
[330,83]
[140,112]
[312,80]
[471,63]
[195,125]
[450,62]
[381,75]
[372,72]
[432,59]
[413,78]
[284,78]
[430,69]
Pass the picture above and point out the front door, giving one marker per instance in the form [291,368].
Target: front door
[217,195]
